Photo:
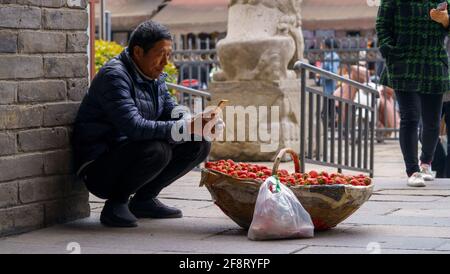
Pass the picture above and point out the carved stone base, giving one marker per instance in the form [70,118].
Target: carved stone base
[274,128]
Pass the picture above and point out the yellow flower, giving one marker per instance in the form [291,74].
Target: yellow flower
[106,50]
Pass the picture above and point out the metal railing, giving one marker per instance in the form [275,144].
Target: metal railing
[335,131]
[356,55]
[187,96]
[195,59]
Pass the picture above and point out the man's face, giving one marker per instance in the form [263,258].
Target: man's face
[153,62]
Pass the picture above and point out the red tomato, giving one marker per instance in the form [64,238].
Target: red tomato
[297,175]
[251,175]
[283,172]
[340,181]
[234,173]
[267,172]
[324,174]
[321,180]
[313,174]
[242,172]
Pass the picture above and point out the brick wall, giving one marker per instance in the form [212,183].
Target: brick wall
[43,76]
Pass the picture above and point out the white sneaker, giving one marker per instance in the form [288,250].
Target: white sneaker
[416,180]
[427,173]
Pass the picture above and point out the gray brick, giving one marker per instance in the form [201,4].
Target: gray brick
[20,166]
[8,194]
[21,67]
[58,162]
[41,91]
[66,210]
[77,88]
[80,4]
[12,117]
[20,17]
[7,144]
[53,3]
[65,19]
[9,41]
[8,92]
[6,222]
[41,42]
[77,206]
[21,219]
[60,114]
[75,186]
[55,212]
[28,2]
[65,66]
[77,42]
[42,139]
[40,189]
[44,3]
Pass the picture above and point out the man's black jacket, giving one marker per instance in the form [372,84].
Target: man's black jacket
[121,105]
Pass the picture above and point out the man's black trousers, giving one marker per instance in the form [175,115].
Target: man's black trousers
[142,168]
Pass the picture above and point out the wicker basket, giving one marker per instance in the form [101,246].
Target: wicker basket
[328,205]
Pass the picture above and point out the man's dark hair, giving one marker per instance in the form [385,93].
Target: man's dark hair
[330,43]
[147,34]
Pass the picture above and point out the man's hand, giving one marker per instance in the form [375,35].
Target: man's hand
[440,16]
[207,124]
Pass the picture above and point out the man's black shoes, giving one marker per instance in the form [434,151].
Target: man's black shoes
[117,215]
[153,208]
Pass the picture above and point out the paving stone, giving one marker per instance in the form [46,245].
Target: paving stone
[403,198]
[432,213]
[402,231]
[353,250]
[444,247]
[415,192]
[175,235]
[396,220]
[23,248]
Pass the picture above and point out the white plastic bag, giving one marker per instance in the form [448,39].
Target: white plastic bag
[278,214]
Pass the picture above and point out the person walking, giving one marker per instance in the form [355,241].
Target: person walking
[441,160]
[330,63]
[411,40]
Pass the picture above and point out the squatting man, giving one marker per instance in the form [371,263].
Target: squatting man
[124,142]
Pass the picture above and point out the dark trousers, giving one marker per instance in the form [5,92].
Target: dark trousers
[413,107]
[441,160]
[143,168]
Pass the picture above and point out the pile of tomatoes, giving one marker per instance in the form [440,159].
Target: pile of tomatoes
[261,173]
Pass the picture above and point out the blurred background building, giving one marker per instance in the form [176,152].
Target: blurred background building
[208,18]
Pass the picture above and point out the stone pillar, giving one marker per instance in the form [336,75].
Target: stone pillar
[43,77]
[264,40]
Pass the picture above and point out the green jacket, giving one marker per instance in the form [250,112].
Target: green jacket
[413,46]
